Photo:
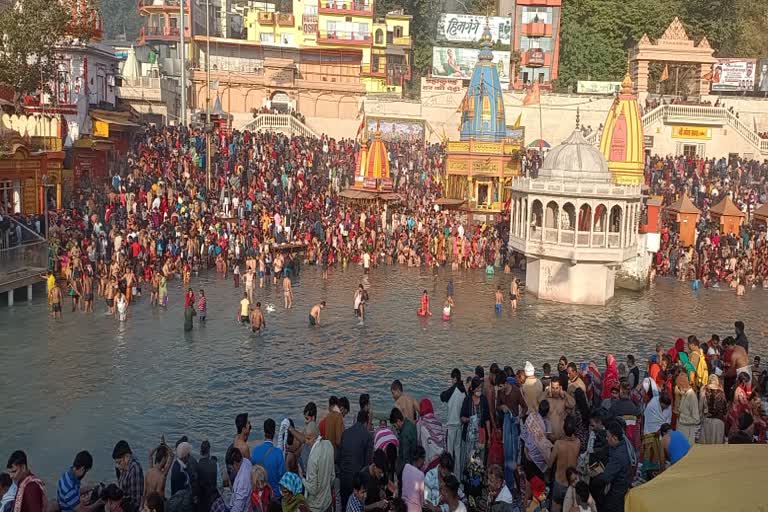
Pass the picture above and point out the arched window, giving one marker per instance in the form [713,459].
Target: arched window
[601,215]
[379,36]
[568,217]
[585,217]
[551,215]
[614,225]
[537,213]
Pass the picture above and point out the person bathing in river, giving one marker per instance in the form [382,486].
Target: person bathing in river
[361,296]
[499,299]
[314,314]
[447,308]
[424,310]
[257,319]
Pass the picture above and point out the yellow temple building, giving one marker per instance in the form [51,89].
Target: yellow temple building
[372,178]
[622,142]
[481,165]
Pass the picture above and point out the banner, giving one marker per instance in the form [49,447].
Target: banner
[460,62]
[733,75]
[396,130]
[469,28]
[761,84]
[691,132]
[594,87]
[440,84]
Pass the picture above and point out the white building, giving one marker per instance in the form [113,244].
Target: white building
[574,225]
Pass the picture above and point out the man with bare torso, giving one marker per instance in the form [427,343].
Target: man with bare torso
[565,454]
[287,292]
[87,293]
[241,438]
[257,318]
[110,294]
[160,460]
[55,299]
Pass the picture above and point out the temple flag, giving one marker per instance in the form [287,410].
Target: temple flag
[533,97]
[665,74]
[517,122]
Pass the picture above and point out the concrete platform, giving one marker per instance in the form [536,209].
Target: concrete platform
[24,277]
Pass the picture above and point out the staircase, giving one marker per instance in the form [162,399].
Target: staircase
[284,123]
[697,114]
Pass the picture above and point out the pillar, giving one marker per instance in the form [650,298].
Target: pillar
[29,293]
[641,76]
[703,83]
[10,297]
[58,195]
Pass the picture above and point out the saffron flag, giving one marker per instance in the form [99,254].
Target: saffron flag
[534,96]
[708,77]
[360,128]
[664,74]
[464,102]
[517,122]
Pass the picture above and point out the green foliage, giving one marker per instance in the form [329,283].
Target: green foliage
[27,48]
[121,17]
[596,34]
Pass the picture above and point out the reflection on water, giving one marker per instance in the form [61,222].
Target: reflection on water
[86,381]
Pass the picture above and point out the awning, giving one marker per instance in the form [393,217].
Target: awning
[96,144]
[732,475]
[394,50]
[116,119]
[367,195]
[447,201]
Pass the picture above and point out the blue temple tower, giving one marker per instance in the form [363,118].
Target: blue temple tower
[482,116]
[481,164]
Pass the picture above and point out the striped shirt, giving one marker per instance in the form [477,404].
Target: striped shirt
[68,491]
[202,304]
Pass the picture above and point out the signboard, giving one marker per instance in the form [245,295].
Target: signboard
[440,84]
[648,141]
[594,87]
[469,28]
[761,84]
[691,132]
[486,166]
[733,75]
[100,129]
[394,130]
[457,166]
[460,62]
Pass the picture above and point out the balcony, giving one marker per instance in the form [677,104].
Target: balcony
[537,29]
[148,6]
[361,8]
[285,19]
[402,41]
[160,33]
[266,18]
[535,58]
[345,38]
[378,71]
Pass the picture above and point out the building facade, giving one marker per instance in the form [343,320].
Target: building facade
[536,36]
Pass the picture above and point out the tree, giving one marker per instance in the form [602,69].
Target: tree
[121,17]
[30,32]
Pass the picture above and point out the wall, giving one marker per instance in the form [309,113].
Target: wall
[724,140]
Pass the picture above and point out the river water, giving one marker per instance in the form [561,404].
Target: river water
[85,382]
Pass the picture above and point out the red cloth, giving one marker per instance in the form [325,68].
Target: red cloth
[611,377]
[425,407]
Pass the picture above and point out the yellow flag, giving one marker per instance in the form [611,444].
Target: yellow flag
[665,74]
[517,122]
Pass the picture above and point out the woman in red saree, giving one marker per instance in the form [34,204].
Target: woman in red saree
[610,377]
[739,404]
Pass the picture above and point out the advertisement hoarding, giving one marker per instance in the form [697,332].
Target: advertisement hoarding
[595,87]
[460,62]
[469,28]
[396,130]
[730,75]
[761,83]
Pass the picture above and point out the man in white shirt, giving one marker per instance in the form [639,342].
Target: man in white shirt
[320,471]
[242,486]
[454,397]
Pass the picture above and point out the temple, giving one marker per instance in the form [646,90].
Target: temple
[372,179]
[480,165]
[622,142]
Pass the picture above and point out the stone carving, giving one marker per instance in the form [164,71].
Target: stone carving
[675,31]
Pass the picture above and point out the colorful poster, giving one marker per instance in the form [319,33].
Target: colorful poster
[469,28]
[733,75]
[594,87]
[460,62]
[396,130]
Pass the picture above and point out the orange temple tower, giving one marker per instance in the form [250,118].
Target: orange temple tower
[372,166]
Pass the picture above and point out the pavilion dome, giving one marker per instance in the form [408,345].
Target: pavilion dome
[575,159]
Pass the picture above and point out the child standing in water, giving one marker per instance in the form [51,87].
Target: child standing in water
[499,299]
[202,306]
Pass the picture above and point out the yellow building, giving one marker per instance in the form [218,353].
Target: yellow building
[622,142]
[342,24]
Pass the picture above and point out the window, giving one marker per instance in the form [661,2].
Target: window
[689,150]
[310,10]
[398,31]
[379,36]
[267,37]
[537,15]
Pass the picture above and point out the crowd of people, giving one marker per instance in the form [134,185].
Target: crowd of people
[738,260]
[270,197]
[571,438]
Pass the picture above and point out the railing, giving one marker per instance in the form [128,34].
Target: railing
[161,31]
[162,3]
[579,188]
[285,19]
[29,252]
[614,240]
[402,41]
[344,6]
[351,37]
[366,70]
[266,18]
[144,82]
[279,122]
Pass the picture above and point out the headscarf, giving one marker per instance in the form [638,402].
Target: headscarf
[292,482]
[431,433]
[650,387]
[529,370]
[610,377]
[679,347]
[714,382]
[682,382]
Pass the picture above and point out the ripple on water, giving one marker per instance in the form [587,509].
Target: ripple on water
[86,381]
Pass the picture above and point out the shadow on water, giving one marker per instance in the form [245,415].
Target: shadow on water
[86,381]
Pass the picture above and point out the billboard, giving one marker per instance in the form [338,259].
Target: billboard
[594,87]
[469,28]
[460,62]
[761,84]
[396,130]
[730,75]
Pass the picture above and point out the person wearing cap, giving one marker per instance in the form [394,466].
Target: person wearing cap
[130,476]
[533,391]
